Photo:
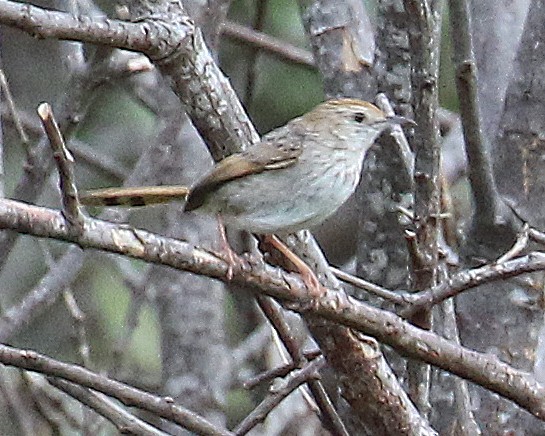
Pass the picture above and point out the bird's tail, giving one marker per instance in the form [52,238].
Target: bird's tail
[138,196]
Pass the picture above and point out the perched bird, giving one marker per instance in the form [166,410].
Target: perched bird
[294,178]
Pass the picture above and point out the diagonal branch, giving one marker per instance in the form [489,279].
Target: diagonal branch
[163,407]
[472,278]
[176,46]
[268,44]
[297,378]
[65,166]
[125,422]
[483,369]
[328,414]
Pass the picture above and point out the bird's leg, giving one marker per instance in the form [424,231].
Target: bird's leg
[227,253]
[307,274]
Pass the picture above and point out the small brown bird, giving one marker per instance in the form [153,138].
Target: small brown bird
[296,177]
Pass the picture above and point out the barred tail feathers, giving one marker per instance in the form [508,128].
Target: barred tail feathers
[134,197]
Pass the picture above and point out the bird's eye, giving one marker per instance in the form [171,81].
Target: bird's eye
[359,117]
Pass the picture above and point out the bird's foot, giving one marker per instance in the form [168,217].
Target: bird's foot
[227,253]
[307,274]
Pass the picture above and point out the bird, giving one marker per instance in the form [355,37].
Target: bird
[297,176]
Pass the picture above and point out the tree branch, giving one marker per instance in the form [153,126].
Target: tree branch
[124,421]
[269,44]
[171,40]
[491,216]
[277,394]
[483,369]
[65,167]
[163,407]
[472,278]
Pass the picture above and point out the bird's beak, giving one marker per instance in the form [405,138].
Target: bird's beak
[402,121]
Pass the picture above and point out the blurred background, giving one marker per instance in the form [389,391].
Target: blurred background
[120,319]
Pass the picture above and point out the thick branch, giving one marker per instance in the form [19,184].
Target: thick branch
[484,369]
[424,35]
[175,45]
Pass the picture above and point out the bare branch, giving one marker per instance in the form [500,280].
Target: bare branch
[70,110]
[377,290]
[65,166]
[280,371]
[25,418]
[269,44]
[491,215]
[177,47]
[163,407]
[12,109]
[483,369]
[465,421]
[44,294]
[329,416]
[472,278]
[424,28]
[278,393]
[124,421]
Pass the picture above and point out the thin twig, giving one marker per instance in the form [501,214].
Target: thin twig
[518,247]
[52,404]
[83,152]
[71,111]
[278,322]
[252,346]
[83,350]
[374,289]
[280,371]
[465,421]
[124,421]
[2,147]
[277,394]
[65,167]
[270,44]
[536,236]
[23,416]
[468,279]
[79,320]
[135,281]
[260,15]
[269,376]
[44,294]
[13,110]
[128,395]
[329,415]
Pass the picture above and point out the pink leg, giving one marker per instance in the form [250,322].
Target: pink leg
[308,276]
[227,253]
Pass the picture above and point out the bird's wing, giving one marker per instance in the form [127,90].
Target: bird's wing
[270,154]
